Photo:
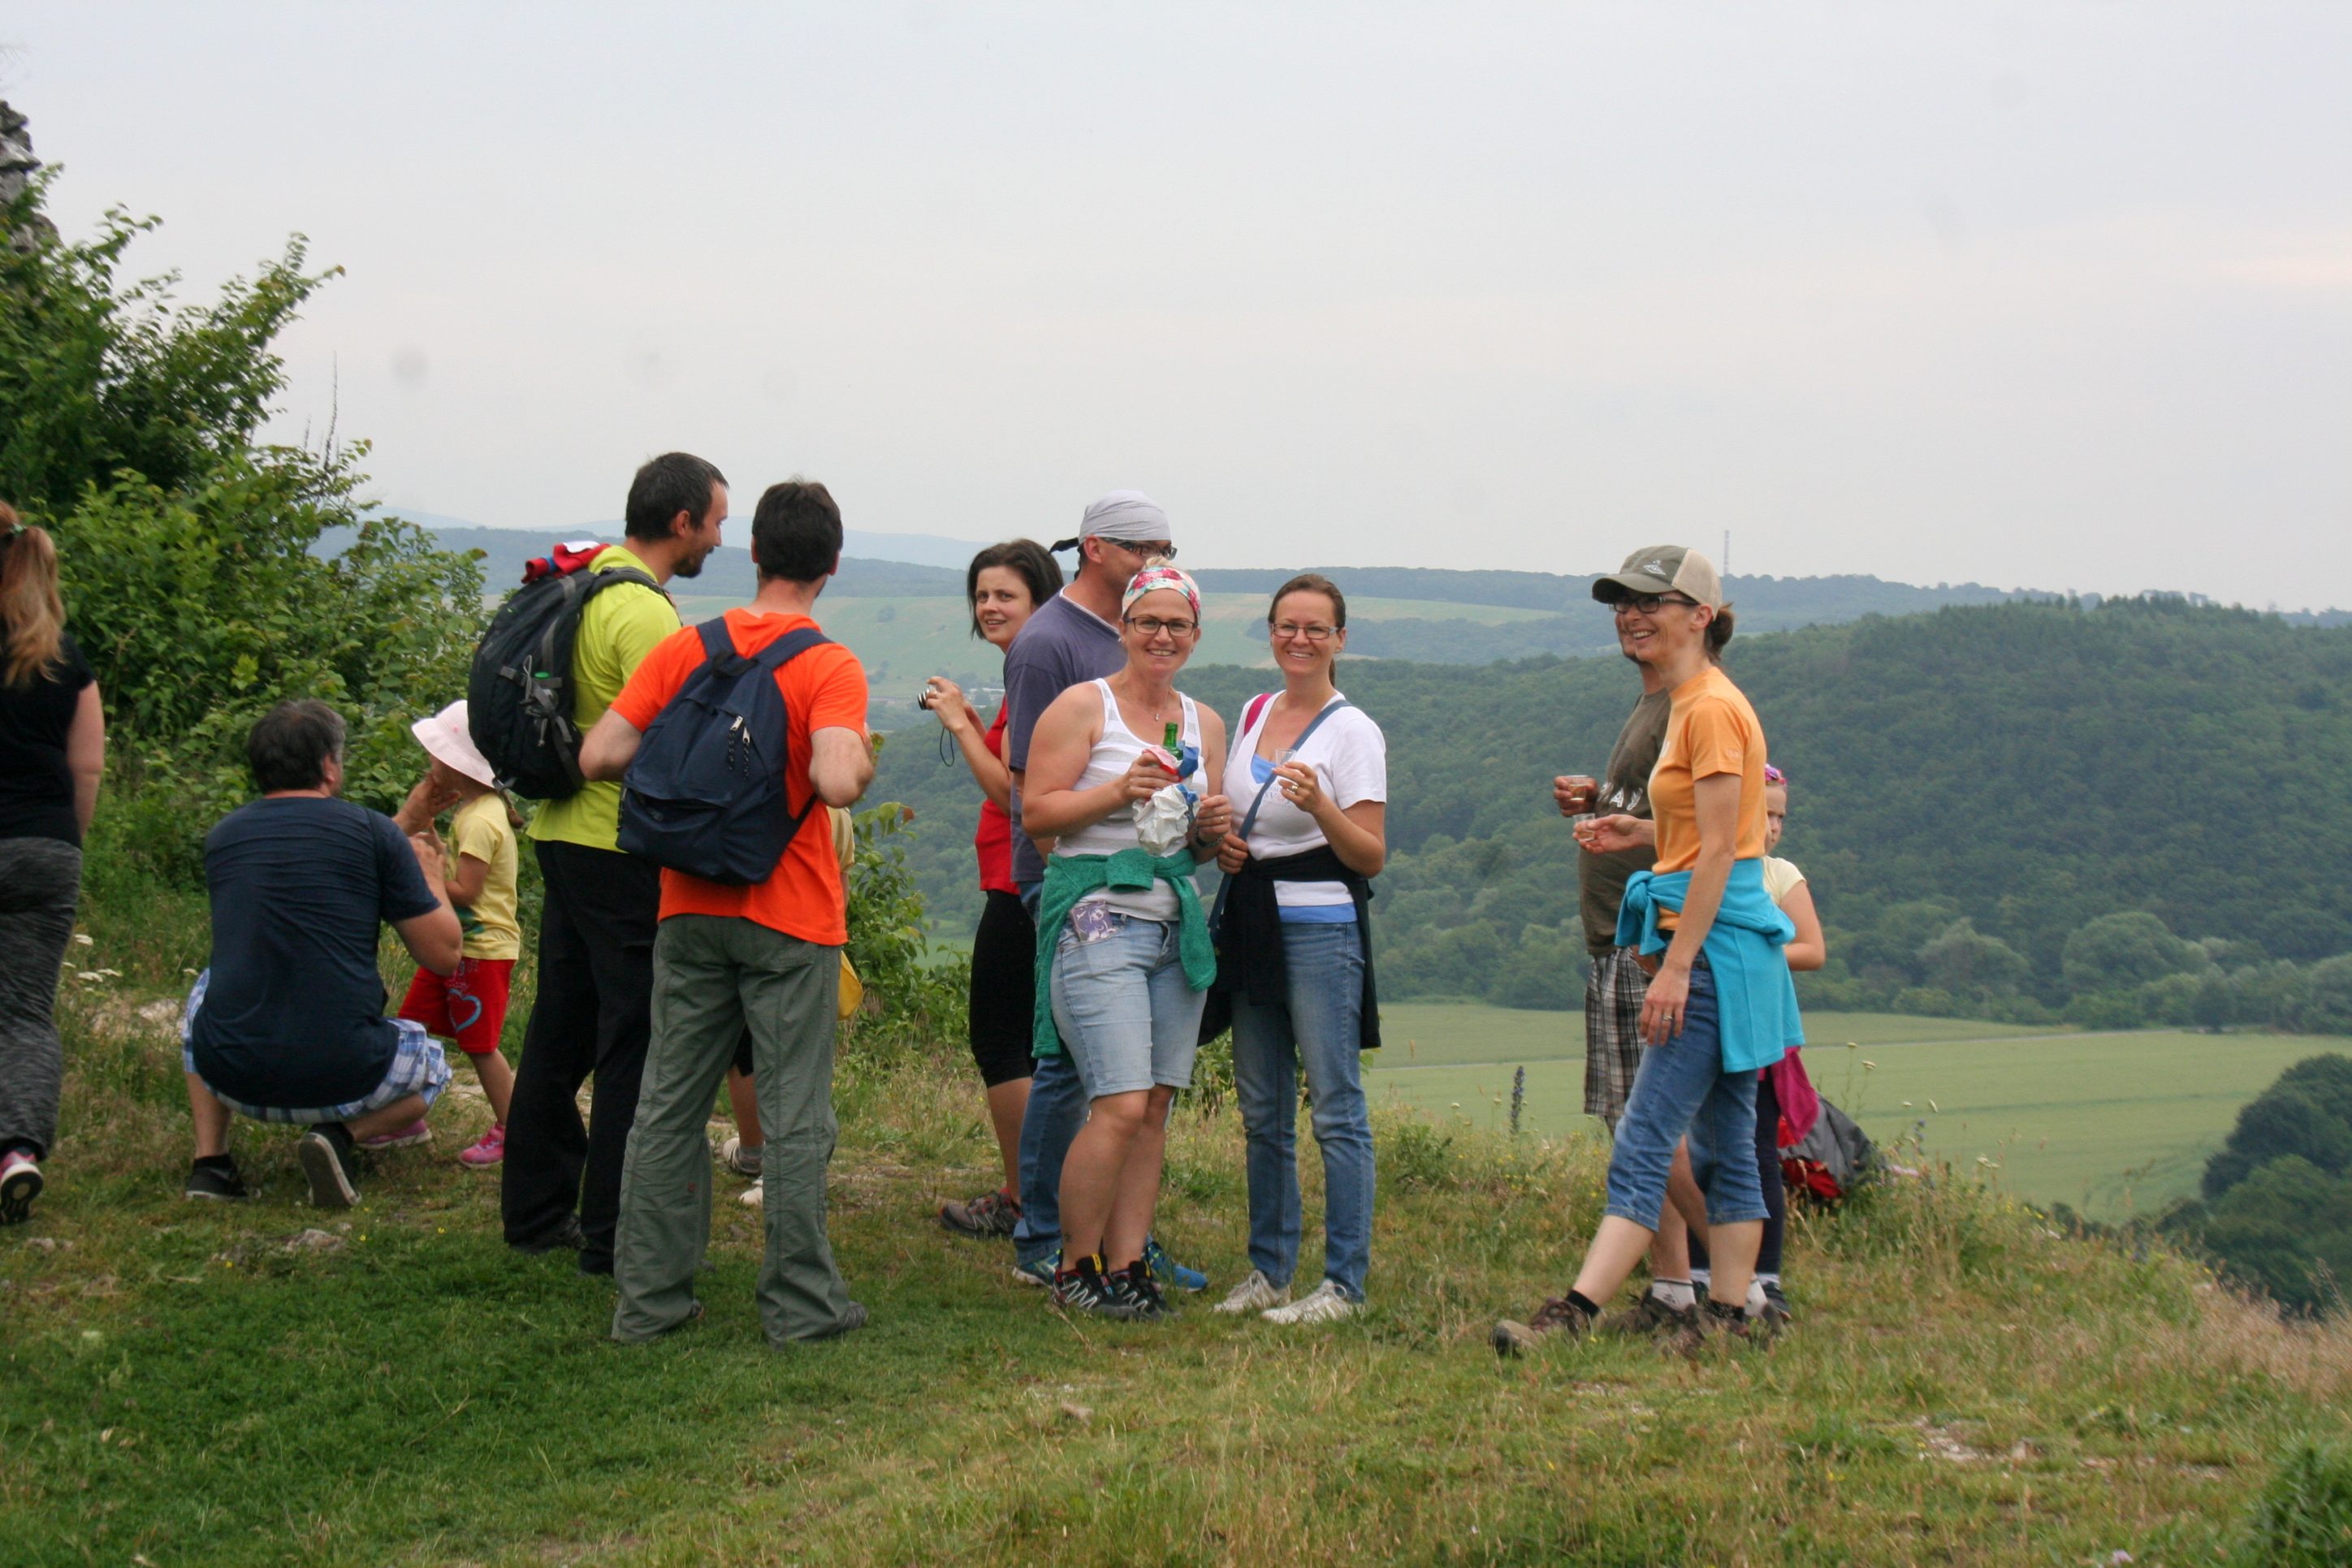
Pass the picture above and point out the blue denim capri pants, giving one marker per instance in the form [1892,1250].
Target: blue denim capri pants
[1683,1088]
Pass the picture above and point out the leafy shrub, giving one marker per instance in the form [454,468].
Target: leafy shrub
[910,999]
[1416,1157]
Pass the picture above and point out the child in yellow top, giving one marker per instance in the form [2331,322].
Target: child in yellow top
[470,1006]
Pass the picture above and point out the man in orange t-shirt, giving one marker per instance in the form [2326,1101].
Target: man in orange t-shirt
[763,957]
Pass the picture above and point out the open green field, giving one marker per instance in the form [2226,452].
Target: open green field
[2112,1123]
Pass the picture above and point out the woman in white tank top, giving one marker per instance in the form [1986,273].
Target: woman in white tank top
[1123,955]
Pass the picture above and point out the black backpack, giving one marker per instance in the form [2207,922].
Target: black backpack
[518,694]
[705,794]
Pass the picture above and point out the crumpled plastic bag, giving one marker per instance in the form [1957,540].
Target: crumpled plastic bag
[1163,823]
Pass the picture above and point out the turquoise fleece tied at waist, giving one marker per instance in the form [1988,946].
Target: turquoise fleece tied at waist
[1069,878]
[1756,997]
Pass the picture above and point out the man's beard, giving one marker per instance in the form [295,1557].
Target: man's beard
[691,568]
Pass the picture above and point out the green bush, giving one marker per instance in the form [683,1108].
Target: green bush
[2303,1518]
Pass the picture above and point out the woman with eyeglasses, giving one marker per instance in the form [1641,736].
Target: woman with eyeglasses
[1295,951]
[1720,1004]
[1124,958]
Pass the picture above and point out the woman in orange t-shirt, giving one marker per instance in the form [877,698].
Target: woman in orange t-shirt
[1707,794]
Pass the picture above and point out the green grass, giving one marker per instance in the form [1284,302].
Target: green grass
[178,1384]
[2114,1124]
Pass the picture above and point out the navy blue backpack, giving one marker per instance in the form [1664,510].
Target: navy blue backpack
[705,794]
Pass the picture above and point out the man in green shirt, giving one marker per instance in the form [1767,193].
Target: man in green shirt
[561,1182]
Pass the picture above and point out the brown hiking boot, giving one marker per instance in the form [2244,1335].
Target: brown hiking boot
[1650,1318]
[991,1214]
[1559,1315]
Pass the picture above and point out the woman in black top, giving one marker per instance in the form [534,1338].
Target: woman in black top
[52,748]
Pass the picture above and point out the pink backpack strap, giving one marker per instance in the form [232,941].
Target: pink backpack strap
[1257,707]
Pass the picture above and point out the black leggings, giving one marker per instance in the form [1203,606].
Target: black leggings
[1776,1195]
[1003,989]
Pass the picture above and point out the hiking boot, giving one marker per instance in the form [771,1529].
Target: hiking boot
[735,1158]
[1084,1289]
[1326,1303]
[221,1183]
[1776,1305]
[1134,1286]
[985,1217]
[325,1153]
[1649,1318]
[484,1151]
[1040,1272]
[1170,1273]
[1736,1327]
[406,1137]
[20,1184]
[1255,1293]
[1557,1316]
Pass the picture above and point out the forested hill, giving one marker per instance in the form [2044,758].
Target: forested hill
[2027,767]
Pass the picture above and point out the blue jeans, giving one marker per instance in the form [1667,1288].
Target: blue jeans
[1319,1029]
[1057,1108]
[1683,1088]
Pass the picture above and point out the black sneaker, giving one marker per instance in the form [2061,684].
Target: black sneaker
[1134,1288]
[568,1234]
[20,1184]
[1559,1315]
[985,1217]
[325,1153]
[1083,1289]
[222,1183]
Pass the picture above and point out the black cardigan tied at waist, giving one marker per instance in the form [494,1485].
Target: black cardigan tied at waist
[1249,931]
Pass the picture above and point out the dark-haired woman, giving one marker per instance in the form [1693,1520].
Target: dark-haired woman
[52,751]
[1720,1004]
[1295,948]
[1004,585]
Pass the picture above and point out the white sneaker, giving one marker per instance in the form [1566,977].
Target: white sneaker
[1324,1304]
[1255,1293]
[757,1197]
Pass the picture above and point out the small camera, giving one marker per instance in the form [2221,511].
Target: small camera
[924,700]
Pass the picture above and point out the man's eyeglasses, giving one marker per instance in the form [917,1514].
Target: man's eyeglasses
[1647,603]
[1158,550]
[1287,629]
[1151,626]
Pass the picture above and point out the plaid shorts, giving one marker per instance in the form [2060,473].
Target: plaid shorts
[1613,1033]
[417,1067]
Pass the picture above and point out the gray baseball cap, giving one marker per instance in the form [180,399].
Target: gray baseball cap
[1663,568]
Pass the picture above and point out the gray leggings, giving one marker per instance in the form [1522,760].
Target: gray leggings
[39,879]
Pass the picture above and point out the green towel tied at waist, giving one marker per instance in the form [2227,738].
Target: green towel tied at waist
[1069,878]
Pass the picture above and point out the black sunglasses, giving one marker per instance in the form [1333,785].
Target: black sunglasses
[1647,603]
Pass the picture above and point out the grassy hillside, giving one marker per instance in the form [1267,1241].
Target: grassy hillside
[262,1383]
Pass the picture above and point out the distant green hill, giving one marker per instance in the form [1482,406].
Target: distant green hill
[2027,767]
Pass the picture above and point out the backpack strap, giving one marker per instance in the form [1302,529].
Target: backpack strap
[1216,914]
[787,648]
[1257,705]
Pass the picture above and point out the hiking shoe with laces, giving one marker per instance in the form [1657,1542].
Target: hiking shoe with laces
[739,1161]
[1736,1327]
[1170,1273]
[20,1184]
[325,1153]
[1255,1293]
[220,1182]
[486,1151]
[984,1219]
[1557,1316]
[1326,1303]
[1085,1290]
[1649,1318]
[406,1137]
[1041,1271]
[1134,1286]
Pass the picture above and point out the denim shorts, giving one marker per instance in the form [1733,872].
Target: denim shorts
[1121,1000]
[1682,1087]
[418,1067]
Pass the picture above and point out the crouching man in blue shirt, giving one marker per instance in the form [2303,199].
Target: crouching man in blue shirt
[286,1023]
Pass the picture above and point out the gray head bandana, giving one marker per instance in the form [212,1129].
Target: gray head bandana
[1129,517]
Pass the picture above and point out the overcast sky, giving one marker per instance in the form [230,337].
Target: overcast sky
[2042,295]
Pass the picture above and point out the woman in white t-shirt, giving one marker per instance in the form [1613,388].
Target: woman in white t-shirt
[1309,775]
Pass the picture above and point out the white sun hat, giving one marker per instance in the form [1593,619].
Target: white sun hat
[447,739]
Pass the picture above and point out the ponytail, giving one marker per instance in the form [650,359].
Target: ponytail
[1718,632]
[32,615]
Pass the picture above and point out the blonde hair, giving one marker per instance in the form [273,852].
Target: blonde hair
[32,615]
